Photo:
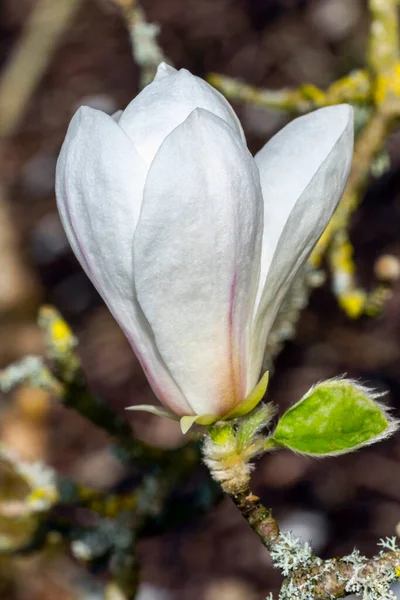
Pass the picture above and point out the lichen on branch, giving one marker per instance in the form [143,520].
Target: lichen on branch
[308,577]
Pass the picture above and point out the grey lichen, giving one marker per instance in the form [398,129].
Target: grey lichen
[30,369]
[290,553]
[290,590]
[41,479]
[389,543]
[371,584]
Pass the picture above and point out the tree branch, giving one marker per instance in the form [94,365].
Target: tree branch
[146,50]
[355,87]
[307,576]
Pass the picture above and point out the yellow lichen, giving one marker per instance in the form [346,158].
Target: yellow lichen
[376,300]
[61,331]
[43,497]
[353,303]
[342,258]
[355,87]
[311,92]
[387,85]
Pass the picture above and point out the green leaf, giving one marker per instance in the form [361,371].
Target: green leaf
[334,417]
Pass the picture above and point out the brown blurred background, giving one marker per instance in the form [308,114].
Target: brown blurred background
[340,502]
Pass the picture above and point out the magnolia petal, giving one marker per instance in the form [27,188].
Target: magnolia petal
[303,171]
[159,411]
[246,406]
[252,400]
[196,259]
[166,103]
[99,185]
[164,70]
[188,422]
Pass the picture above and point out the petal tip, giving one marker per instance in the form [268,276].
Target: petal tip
[83,114]
[342,113]
[164,70]
[345,110]
[187,422]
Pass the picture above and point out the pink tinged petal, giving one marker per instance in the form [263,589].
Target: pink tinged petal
[196,259]
[100,180]
[166,103]
[303,171]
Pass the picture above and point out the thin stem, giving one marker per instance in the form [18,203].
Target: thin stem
[258,516]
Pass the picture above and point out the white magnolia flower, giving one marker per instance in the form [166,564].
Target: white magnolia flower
[191,241]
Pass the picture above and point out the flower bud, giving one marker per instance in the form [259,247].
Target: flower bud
[192,242]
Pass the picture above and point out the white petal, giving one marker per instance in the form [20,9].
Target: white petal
[100,180]
[166,103]
[196,259]
[164,70]
[303,170]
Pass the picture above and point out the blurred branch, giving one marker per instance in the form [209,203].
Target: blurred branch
[355,87]
[68,385]
[147,53]
[377,88]
[334,242]
[123,516]
[19,78]
[292,101]
[18,284]
[383,51]
[47,490]
[384,73]
[147,506]
[30,58]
